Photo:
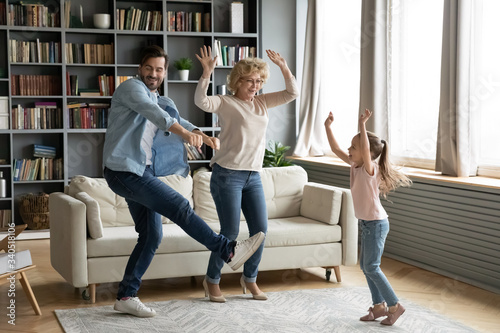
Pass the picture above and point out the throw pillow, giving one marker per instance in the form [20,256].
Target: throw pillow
[94,223]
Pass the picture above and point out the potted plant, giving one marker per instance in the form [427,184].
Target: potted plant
[275,156]
[183,65]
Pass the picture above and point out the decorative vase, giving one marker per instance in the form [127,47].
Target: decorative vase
[102,21]
[184,74]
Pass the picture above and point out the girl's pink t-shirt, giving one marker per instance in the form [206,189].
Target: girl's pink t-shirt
[366,194]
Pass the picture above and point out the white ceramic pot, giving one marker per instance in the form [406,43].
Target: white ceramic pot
[102,21]
[184,74]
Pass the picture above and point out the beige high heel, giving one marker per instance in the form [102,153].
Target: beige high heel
[218,299]
[261,296]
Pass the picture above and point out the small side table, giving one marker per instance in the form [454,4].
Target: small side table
[21,272]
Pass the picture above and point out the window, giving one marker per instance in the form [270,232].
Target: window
[486,92]
[414,80]
[341,68]
[414,49]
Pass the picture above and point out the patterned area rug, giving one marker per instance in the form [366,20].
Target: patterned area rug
[296,311]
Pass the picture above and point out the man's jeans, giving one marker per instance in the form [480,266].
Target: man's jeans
[373,235]
[147,197]
[234,191]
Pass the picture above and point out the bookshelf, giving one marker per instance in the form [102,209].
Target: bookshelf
[43,43]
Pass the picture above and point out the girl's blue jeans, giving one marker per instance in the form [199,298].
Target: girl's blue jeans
[234,191]
[147,198]
[373,235]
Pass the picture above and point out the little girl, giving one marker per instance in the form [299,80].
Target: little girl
[369,178]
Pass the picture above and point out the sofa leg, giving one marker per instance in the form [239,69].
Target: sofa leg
[329,273]
[92,291]
[337,273]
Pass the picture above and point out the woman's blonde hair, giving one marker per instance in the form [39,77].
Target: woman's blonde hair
[246,67]
[392,178]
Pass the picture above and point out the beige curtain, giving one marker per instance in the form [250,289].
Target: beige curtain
[374,87]
[311,130]
[456,150]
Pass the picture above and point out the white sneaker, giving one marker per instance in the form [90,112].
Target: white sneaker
[135,307]
[244,250]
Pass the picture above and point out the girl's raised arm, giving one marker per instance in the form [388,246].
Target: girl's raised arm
[364,143]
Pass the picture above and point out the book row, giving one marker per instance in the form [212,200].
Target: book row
[105,84]
[40,117]
[35,51]
[95,115]
[89,53]
[194,153]
[35,85]
[188,21]
[32,15]
[38,169]
[80,116]
[137,19]
[230,55]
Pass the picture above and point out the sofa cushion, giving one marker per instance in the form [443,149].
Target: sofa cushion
[321,202]
[203,202]
[182,185]
[120,241]
[113,208]
[94,223]
[290,231]
[283,188]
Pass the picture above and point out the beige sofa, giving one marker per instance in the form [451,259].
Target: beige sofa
[92,233]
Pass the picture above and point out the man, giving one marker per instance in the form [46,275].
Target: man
[144,140]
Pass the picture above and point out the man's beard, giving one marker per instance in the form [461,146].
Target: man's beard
[151,85]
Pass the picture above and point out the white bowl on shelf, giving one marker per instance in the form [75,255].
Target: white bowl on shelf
[102,21]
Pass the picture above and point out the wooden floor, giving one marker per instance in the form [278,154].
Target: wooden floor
[472,306]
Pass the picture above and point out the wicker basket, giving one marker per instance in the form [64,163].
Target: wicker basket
[34,210]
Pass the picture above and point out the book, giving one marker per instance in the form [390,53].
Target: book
[5,218]
[236,18]
[206,22]
[89,92]
[10,262]
[4,105]
[44,151]
[4,121]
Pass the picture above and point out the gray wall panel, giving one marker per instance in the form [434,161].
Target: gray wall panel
[451,229]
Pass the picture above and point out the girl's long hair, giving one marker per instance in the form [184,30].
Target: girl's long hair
[391,177]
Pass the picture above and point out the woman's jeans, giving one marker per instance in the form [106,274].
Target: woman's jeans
[373,235]
[234,191]
[147,198]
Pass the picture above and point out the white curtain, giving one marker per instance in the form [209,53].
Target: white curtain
[373,83]
[456,147]
[374,87]
[311,126]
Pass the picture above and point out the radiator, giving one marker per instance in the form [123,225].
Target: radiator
[447,228]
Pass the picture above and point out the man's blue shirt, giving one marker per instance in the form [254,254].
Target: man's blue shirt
[132,105]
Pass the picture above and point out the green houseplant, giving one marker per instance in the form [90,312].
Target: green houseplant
[183,65]
[275,156]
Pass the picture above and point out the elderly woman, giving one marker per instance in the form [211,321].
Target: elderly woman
[235,184]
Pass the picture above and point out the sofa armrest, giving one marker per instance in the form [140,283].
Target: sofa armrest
[349,224]
[68,238]
[332,205]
